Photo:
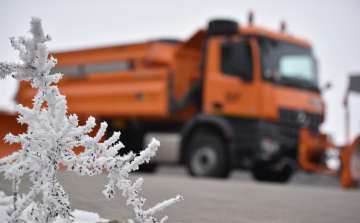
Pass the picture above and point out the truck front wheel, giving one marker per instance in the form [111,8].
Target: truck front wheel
[207,157]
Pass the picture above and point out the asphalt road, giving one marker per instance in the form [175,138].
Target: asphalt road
[238,199]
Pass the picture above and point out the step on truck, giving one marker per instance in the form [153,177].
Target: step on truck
[230,96]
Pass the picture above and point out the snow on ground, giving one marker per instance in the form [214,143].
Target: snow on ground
[85,217]
[6,203]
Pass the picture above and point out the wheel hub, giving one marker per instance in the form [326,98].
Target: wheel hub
[203,160]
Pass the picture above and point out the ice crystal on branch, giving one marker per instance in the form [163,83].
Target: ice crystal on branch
[52,136]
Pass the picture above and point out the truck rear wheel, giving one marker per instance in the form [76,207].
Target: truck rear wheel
[263,172]
[207,157]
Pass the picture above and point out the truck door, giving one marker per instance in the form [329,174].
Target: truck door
[232,77]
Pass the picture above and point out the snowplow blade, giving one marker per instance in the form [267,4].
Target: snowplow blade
[350,158]
[355,161]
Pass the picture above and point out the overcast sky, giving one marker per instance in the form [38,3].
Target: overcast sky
[333,28]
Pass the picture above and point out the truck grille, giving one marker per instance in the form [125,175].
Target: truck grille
[290,125]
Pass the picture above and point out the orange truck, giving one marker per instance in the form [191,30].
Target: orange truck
[228,97]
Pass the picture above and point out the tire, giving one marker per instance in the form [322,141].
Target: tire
[207,156]
[263,172]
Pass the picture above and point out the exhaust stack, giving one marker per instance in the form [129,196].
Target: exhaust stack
[283,26]
[251,18]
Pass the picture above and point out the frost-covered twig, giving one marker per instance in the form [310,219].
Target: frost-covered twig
[52,136]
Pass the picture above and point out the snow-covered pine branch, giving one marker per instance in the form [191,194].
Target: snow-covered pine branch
[52,136]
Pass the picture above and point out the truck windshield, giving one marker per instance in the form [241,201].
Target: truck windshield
[288,64]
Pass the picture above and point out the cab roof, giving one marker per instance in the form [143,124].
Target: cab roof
[281,36]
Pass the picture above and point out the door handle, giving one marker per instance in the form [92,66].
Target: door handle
[217,105]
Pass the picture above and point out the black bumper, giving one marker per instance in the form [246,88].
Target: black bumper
[245,144]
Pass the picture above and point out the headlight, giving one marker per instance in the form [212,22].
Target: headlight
[332,159]
[269,145]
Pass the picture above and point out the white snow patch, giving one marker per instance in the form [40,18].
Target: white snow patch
[85,217]
[3,213]
[81,216]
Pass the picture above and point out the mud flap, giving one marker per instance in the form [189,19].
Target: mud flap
[355,163]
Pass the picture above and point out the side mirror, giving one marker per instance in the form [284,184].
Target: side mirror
[237,59]
[243,60]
